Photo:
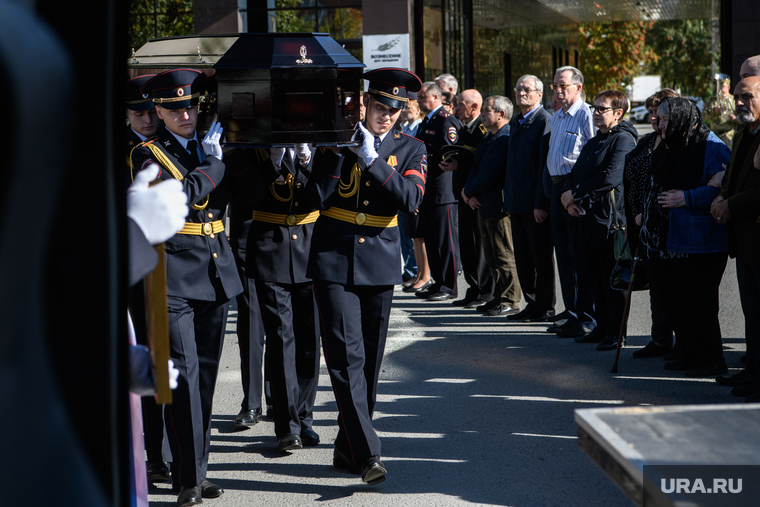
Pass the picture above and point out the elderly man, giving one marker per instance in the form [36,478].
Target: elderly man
[482,191]
[448,83]
[477,274]
[738,206]
[528,206]
[750,67]
[438,211]
[572,127]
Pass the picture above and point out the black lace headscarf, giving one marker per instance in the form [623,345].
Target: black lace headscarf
[680,162]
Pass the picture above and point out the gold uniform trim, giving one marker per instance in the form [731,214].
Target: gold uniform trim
[353,217]
[176,99]
[289,220]
[385,94]
[164,161]
[204,229]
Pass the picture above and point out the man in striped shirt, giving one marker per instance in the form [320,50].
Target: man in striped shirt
[571,127]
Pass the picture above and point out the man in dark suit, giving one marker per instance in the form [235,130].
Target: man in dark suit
[738,206]
[438,212]
[527,204]
[354,258]
[477,274]
[201,273]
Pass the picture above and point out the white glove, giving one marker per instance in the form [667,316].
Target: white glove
[159,210]
[303,152]
[366,151]
[173,375]
[277,154]
[141,376]
[211,142]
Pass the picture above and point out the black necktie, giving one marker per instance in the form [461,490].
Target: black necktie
[192,147]
[422,126]
[377,143]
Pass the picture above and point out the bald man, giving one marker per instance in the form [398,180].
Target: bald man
[750,67]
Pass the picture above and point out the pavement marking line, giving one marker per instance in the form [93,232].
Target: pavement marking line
[451,380]
[710,380]
[394,397]
[546,436]
[426,460]
[544,398]
[395,434]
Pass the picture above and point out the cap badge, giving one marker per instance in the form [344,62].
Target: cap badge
[303,57]
[180,92]
[395,90]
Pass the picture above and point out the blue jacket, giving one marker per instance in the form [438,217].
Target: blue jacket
[486,180]
[692,229]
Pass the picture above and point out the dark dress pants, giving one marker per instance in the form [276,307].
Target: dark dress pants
[289,312]
[534,256]
[608,302]
[438,223]
[476,272]
[690,287]
[196,336]
[354,328]
[565,264]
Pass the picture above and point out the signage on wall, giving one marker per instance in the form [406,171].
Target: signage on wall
[388,50]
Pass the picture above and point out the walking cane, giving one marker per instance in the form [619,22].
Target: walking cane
[626,311]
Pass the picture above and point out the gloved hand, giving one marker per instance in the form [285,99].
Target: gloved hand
[211,142]
[366,151]
[159,210]
[141,376]
[277,154]
[303,152]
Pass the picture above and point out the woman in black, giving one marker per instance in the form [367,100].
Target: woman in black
[594,199]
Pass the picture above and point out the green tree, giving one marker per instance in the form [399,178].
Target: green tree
[682,55]
[149,19]
[611,54]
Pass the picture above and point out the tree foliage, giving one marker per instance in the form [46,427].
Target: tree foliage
[612,53]
[149,19]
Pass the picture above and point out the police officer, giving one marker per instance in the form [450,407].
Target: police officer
[354,259]
[201,273]
[142,121]
[438,212]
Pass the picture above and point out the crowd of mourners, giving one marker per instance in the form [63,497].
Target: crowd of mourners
[572,183]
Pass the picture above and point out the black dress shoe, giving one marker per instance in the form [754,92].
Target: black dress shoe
[158,472]
[561,317]
[248,418]
[422,288]
[540,315]
[440,296]
[488,306]
[522,315]
[677,365]
[309,437]
[747,390]
[651,349]
[373,470]
[501,309]
[343,462]
[753,398]
[594,336]
[189,496]
[290,442]
[675,352]
[475,303]
[609,343]
[742,378]
[209,489]
[466,300]
[575,330]
[707,370]
[557,327]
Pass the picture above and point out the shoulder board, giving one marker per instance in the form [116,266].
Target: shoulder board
[483,129]
[444,113]
[396,135]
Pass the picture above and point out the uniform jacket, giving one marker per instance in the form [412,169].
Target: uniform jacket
[351,254]
[528,147]
[440,130]
[743,194]
[470,137]
[486,180]
[197,267]
[599,170]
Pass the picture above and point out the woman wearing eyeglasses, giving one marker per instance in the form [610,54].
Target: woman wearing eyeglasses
[594,198]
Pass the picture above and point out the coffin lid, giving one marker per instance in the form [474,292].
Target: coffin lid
[245,51]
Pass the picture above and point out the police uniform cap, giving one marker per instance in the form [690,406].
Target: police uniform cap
[392,86]
[176,88]
[136,99]
[461,153]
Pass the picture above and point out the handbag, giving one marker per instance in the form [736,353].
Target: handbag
[627,267]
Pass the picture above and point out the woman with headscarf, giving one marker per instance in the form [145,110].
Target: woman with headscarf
[635,175]
[687,250]
[595,198]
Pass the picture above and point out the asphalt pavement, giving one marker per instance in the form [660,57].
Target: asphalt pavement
[472,410]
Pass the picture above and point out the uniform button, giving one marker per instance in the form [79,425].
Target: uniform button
[295,204]
[298,185]
[294,236]
[367,183]
[361,240]
[366,203]
[214,255]
[211,215]
[211,236]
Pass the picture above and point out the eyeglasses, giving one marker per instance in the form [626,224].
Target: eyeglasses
[518,91]
[563,86]
[601,109]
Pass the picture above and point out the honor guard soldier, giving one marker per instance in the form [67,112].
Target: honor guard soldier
[142,121]
[355,254]
[278,243]
[438,212]
[201,273]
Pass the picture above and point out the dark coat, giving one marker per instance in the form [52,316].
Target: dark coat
[528,148]
[486,180]
[599,170]
[197,267]
[440,130]
[351,254]
[469,137]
